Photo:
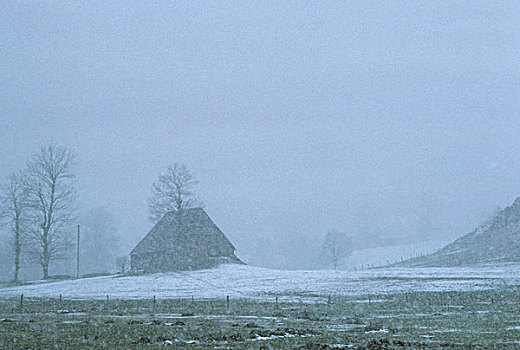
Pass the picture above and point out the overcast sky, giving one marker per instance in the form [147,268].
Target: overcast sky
[295,116]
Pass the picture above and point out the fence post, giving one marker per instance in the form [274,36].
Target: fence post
[227,301]
[21,302]
[153,310]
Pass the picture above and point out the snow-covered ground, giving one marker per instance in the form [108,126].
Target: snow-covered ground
[265,284]
[381,256]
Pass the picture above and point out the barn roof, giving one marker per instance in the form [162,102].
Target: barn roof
[193,222]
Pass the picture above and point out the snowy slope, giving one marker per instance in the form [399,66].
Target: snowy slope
[495,241]
[254,282]
[381,256]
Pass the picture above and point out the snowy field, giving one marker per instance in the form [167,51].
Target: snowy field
[264,284]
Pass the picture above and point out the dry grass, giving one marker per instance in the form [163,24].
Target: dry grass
[481,319]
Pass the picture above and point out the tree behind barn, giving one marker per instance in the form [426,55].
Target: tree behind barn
[336,245]
[174,191]
[14,214]
[51,197]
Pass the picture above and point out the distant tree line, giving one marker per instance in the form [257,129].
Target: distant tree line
[39,211]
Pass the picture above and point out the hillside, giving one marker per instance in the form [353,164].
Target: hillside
[495,241]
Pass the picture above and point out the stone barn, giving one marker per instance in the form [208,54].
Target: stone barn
[186,241]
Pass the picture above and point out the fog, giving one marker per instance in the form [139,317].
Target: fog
[296,118]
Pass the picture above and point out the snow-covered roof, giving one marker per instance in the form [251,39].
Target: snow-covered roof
[192,223]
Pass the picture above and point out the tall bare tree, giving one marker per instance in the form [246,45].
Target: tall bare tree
[173,192]
[336,246]
[51,198]
[14,214]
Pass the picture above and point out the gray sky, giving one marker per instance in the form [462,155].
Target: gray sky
[293,115]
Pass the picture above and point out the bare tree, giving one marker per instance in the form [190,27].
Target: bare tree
[14,212]
[336,246]
[51,196]
[99,241]
[173,192]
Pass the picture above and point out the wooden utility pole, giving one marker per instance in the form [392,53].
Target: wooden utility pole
[77,256]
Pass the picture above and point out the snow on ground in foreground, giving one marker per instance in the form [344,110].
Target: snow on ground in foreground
[255,282]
